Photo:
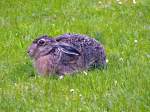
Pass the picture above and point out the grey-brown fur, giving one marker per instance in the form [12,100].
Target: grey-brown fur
[66,54]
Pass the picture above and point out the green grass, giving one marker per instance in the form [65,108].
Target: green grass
[122,87]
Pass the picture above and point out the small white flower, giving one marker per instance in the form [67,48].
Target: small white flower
[107,61]
[80,95]
[121,59]
[135,41]
[73,19]
[119,2]
[72,90]
[85,72]
[53,25]
[115,82]
[99,2]
[134,2]
[15,84]
[148,55]
[61,77]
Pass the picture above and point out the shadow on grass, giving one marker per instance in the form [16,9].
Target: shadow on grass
[27,71]
[21,71]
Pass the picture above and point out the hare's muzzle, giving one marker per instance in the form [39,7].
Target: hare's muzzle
[31,50]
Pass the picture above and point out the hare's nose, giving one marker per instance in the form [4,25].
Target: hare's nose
[28,51]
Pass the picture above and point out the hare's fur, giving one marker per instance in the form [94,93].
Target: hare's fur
[66,54]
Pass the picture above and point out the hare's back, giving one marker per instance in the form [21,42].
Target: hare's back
[92,51]
[77,40]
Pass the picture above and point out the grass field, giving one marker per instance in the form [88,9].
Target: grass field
[122,27]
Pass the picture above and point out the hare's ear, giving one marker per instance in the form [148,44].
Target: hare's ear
[68,49]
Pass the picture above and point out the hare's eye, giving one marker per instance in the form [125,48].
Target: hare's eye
[41,42]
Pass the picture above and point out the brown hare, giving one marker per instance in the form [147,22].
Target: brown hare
[66,54]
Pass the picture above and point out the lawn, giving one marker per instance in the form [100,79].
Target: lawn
[123,27]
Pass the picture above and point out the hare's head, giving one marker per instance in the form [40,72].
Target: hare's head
[41,47]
